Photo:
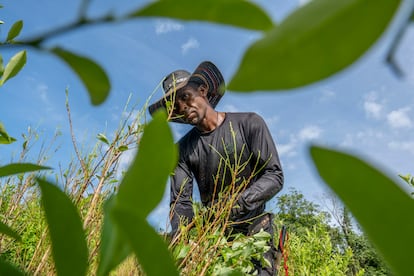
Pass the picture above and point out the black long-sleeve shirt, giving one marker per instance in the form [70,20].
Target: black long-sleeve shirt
[202,156]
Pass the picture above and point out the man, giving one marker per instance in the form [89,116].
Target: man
[191,99]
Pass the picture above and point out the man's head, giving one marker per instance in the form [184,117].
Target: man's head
[206,82]
[191,103]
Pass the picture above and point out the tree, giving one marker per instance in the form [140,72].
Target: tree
[317,246]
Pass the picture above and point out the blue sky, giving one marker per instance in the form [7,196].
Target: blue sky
[364,109]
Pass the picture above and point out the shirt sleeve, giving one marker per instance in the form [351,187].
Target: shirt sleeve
[269,180]
[181,209]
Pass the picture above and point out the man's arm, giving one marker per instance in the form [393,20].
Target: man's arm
[269,180]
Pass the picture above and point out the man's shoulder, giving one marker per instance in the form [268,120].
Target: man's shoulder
[244,116]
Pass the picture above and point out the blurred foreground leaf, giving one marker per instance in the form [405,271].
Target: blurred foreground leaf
[8,269]
[16,168]
[90,73]
[144,183]
[69,248]
[314,42]
[114,248]
[151,251]
[125,226]
[380,206]
[231,12]
[4,229]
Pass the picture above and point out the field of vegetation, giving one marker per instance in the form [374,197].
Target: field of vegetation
[318,242]
[89,217]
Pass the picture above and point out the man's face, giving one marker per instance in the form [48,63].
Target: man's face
[191,103]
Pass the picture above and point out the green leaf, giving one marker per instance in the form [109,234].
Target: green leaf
[16,168]
[231,12]
[8,269]
[15,64]
[4,136]
[1,66]
[314,42]
[91,74]
[69,248]
[380,206]
[140,191]
[151,251]
[144,183]
[4,140]
[406,178]
[114,248]
[102,138]
[4,229]
[123,148]
[14,31]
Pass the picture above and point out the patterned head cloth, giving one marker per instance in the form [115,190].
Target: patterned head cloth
[206,73]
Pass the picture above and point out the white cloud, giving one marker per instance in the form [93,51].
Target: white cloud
[42,90]
[399,118]
[191,43]
[309,133]
[287,149]
[166,26]
[296,141]
[372,108]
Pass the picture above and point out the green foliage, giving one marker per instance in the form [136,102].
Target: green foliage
[69,247]
[311,253]
[206,247]
[313,43]
[150,169]
[147,245]
[14,31]
[4,136]
[15,64]
[297,212]
[18,61]
[388,208]
[237,255]
[409,179]
[8,269]
[140,191]
[316,246]
[4,229]
[344,30]
[216,11]
[91,74]
[17,168]
[114,247]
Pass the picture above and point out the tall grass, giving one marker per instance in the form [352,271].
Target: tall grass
[88,179]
